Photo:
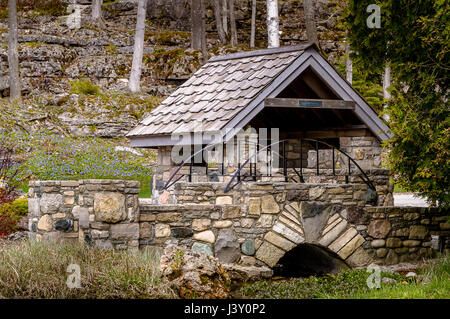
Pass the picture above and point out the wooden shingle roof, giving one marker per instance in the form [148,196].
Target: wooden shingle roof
[215,93]
[220,93]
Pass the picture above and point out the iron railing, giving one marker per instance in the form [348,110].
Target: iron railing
[363,175]
[253,168]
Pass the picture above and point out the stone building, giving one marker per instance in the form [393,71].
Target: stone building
[242,104]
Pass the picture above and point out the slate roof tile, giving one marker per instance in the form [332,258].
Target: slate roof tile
[216,93]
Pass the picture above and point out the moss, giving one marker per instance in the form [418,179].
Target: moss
[91,27]
[167,37]
[33,44]
[85,87]
[163,61]
[33,8]
[111,48]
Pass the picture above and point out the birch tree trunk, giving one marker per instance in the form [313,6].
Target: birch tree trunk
[253,29]
[196,24]
[233,36]
[348,65]
[96,9]
[311,30]
[13,54]
[386,85]
[386,82]
[273,24]
[135,76]
[219,21]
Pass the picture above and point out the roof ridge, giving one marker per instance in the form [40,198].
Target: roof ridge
[247,54]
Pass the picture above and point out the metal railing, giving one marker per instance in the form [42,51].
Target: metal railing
[363,175]
[268,148]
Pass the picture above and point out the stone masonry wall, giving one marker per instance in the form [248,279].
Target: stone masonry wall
[402,234]
[254,225]
[99,212]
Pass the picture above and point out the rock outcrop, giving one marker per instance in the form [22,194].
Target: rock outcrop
[194,274]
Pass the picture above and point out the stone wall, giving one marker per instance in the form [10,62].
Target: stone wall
[402,234]
[254,225]
[347,194]
[99,212]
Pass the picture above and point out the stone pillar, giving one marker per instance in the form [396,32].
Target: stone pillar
[365,150]
[102,213]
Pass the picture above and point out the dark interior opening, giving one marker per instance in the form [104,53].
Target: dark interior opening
[308,260]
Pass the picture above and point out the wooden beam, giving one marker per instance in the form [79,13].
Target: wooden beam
[316,84]
[350,131]
[310,103]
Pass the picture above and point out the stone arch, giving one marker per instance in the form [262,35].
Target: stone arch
[309,259]
[322,224]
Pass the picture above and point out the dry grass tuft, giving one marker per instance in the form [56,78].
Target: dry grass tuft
[39,270]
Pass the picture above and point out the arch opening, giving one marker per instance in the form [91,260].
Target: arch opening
[309,260]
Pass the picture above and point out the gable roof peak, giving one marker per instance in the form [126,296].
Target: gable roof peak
[269,51]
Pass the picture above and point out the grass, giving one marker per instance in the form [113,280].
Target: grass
[84,86]
[39,270]
[433,283]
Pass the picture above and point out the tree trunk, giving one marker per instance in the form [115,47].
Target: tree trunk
[203,33]
[348,65]
[13,53]
[273,24]
[96,9]
[233,37]
[386,85]
[196,24]
[225,16]
[386,82]
[311,30]
[136,68]
[253,29]
[219,22]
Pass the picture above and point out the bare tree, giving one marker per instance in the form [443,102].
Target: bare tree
[13,53]
[96,9]
[253,28]
[348,65]
[136,68]
[311,30]
[219,21]
[273,24]
[233,36]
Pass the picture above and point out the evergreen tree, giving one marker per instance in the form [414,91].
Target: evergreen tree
[414,40]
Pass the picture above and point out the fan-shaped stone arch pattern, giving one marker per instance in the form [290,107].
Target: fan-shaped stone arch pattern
[314,223]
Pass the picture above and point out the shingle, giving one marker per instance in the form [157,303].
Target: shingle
[216,93]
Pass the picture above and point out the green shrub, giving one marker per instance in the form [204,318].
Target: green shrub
[18,208]
[10,213]
[84,86]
